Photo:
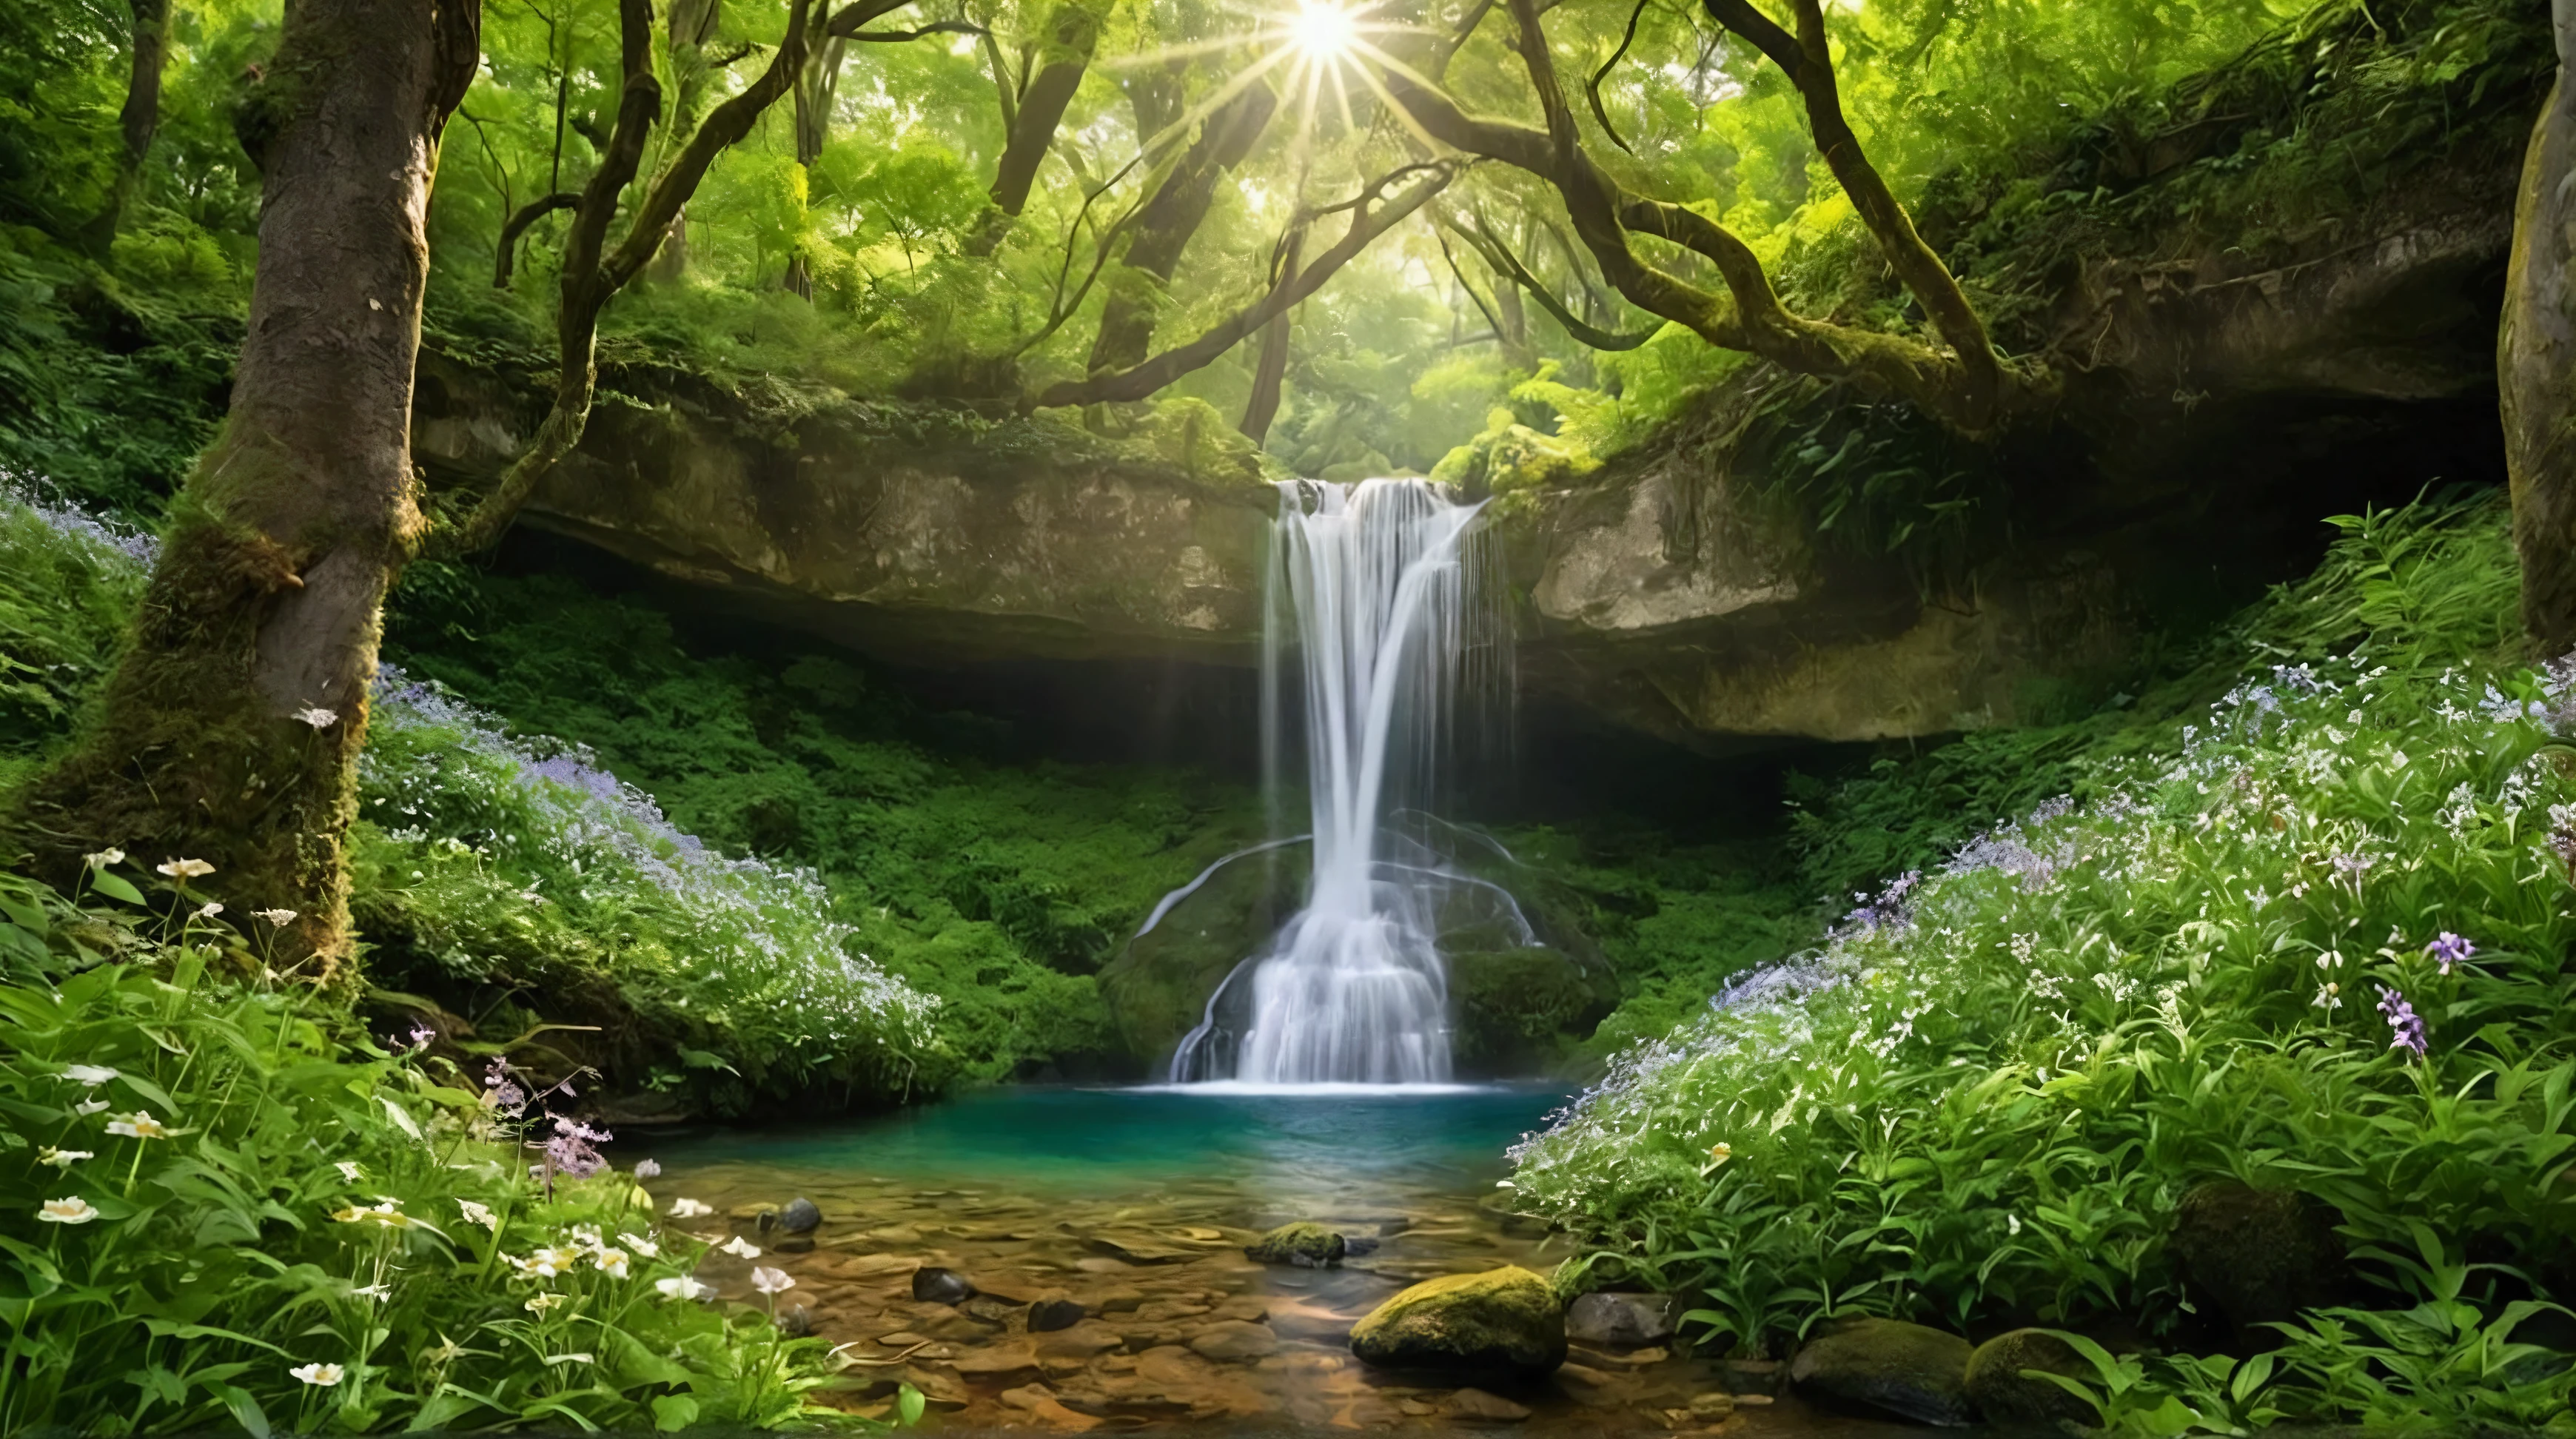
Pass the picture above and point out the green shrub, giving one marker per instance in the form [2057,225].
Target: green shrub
[221,1204]
[1981,1098]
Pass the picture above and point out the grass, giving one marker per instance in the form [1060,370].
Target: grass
[1981,1098]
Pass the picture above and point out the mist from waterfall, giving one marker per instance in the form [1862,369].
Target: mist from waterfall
[1377,592]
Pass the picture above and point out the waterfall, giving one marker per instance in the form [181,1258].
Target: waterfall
[1379,589]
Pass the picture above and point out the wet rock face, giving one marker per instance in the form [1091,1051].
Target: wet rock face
[1889,1366]
[1500,1322]
[2259,1255]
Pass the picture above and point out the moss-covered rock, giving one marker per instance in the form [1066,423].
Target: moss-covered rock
[1503,1322]
[1157,986]
[1888,1365]
[1515,1010]
[2003,1390]
[2259,1256]
[1304,1244]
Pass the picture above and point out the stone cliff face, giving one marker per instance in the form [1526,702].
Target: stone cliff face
[2213,414]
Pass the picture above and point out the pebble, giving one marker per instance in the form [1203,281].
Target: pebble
[1233,1340]
[801,1216]
[1048,1315]
[1492,1408]
[940,1286]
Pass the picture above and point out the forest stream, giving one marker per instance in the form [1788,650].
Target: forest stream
[1137,1205]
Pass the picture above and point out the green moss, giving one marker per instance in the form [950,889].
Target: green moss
[1502,1321]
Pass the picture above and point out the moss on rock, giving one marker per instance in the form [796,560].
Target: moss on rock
[1888,1365]
[1305,1244]
[2005,1393]
[1501,1322]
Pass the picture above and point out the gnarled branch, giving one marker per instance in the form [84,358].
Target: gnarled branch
[520,219]
[1371,216]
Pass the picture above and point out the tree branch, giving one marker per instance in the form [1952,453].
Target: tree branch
[1500,256]
[1367,223]
[520,219]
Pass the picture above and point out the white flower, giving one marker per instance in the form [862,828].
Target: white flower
[378,1292]
[63,1158]
[92,1075]
[611,1262]
[89,1106]
[772,1281]
[139,1125]
[479,1214]
[640,1245]
[540,1303]
[320,1376]
[318,717]
[188,869]
[349,1170]
[274,916]
[546,1263]
[740,1248]
[104,858]
[690,1209]
[646,1169]
[209,910]
[74,1210]
[387,1213]
[682,1287]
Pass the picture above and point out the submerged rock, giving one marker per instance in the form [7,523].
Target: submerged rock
[800,1216]
[2004,1394]
[2259,1255]
[933,1285]
[1489,1408]
[1233,1340]
[1503,1321]
[1305,1244]
[1903,1369]
[1622,1321]
[1048,1315]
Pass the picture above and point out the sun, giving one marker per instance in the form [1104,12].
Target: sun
[1325,32]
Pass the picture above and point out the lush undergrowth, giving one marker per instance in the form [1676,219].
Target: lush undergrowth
[227,1207]
[511,867]
[2311,939]
[1001,887]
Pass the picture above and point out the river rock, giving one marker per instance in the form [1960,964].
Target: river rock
[1903,1369]
[1621,1321]
[1305,1244]
[997,1362]
[2259,1255]
[793,1244]
[1478,1405]
[1232,1341]
[1052,1314]
[933,1285]
[801,1216]
[2004,1394]
[1501,1321]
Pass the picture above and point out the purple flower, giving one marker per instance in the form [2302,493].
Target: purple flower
[2450,950]
[2403,1019]
[504,1092]
[570,1152]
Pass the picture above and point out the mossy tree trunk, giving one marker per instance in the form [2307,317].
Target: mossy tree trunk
[1168,222]
[230,730]
[140,117]
[2536,363]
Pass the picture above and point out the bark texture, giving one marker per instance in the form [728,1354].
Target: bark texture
[140,117]
[231,727]
[1073,31]
[1170,218]
[2536,364]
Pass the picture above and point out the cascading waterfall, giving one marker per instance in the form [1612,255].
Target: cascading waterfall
[1379,587]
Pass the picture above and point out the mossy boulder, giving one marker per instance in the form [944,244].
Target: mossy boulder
[1157,987]
[2005,1392]
[1514,1010]
[1890,1366]
[1503,1322]
[2259,1256]
[1304,1244]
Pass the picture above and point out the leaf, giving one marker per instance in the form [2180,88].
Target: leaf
[702,1059]
[674,1412]
[401,1118]
[114,887]
[910,1405]
[245,1410]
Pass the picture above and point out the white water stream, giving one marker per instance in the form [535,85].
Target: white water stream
[1378,587]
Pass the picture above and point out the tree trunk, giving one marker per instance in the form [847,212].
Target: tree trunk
[1272,370]
[1073,32]
[817,86]
[2536,364]
[230,730]
[691,24]
[140,119]
[1170,218]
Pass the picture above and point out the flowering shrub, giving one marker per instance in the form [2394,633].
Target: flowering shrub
[220,1207]
[1983,1096]
[502,855]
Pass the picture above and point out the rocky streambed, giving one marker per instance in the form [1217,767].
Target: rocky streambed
[1062,1296]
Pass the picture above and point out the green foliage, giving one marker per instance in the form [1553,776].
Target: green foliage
[999,887]
[67,583]
[212,1181]
[1981,1097]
